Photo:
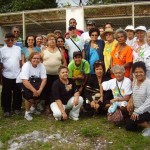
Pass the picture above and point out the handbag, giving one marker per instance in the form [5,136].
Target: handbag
[28,94]
[116,117]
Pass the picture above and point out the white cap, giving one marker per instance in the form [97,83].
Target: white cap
[143,28]
[129,27]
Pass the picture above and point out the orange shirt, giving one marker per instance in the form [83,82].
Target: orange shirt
[122,57]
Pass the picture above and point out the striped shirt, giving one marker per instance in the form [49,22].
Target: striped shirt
[141,97]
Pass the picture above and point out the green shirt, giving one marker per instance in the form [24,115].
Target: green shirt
[75,71]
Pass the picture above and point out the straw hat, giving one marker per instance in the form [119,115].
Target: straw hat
[108,30]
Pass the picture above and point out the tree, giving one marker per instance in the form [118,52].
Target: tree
[20,5]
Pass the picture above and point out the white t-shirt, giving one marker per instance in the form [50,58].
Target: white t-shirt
[131,42]
[28,70]
[72,47]
[10,58]
[86,37]
[124,86]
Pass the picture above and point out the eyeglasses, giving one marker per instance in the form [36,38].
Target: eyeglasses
[94,35]
[10,40]
[36,58]
[16,31]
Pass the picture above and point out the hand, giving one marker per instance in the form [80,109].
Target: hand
[97,106]
[80,77]
[93,104]
[80,89]
[75,102]
[112,101]
[130,108]
[100,100]
[64,116]
[134,117]
[35,94]
[39,91]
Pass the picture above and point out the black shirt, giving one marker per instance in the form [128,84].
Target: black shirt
[62,91]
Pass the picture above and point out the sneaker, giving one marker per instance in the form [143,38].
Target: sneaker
[146,132]
[74,118]
[28,117]
[57,118]
[35,111]
[17,112]
[6,114]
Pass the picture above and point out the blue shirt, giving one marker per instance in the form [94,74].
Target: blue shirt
[93,57]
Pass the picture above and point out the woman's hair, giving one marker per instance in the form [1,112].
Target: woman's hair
[139,64]
[62,67]
[117,67]
[99,63]
[94,30]
[33,54]
[120,30]
[60,37]
[30,35]
[50,35]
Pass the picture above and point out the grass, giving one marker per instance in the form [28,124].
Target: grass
[87,130]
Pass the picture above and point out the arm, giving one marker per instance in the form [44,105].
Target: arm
[63,59]
[43,83]
[61,108]
[101,92]
[128,65]
[22,58]
[76,98]
[1,68]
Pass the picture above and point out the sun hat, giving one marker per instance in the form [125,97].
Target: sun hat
[142,28]
[108,30]
[129,27]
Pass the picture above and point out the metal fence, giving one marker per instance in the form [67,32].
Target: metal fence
[48,20]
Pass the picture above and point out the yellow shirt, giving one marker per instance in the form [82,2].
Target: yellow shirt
[107,50]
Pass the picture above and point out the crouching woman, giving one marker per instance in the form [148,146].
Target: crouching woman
[33,77]
[139,105]
[65,96]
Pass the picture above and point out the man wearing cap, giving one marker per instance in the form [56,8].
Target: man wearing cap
[10,56]
[90,24]
[130,35]
[74,43]
[79,70]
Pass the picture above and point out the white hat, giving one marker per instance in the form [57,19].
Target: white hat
[129,27]
[143,28]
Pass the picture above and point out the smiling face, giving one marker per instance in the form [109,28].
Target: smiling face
[51,41]
[94,36]
[119,75]
[60,42]
[140,35]
[109,37]
[15,32]
[30,41]
[63,74]
[99,71]
[139,73]
[38,41]
[77,59]
[9,41]
[35,60]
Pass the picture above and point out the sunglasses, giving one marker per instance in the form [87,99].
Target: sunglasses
[10,40]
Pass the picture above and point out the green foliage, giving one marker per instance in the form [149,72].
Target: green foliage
[20,5]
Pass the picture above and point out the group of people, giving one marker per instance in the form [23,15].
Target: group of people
[92,70]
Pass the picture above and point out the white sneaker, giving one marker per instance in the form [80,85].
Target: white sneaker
[35,111]
[146,132]
[28,117]
[74,118]
[57,118]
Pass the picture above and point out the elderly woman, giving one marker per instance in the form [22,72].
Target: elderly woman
[139,105]
[93,87]
[65,96]
[140,45]
[110,43]
[93,50]
[30,46]
[32,70]
[121,88]
[122,53]
[53,58]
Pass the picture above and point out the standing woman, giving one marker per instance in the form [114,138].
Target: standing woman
[93,50]
[32,69]
[110,43]
[122,53]
[30,46]
[53,58]
[60,44]
[140,45]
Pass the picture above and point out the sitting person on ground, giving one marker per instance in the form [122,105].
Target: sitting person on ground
[79,70]
[66,96]
[93,89]
[35,69]
[121,89]
[139,105]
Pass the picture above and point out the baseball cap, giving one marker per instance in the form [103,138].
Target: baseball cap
[129,27]
[57,31]
[142,28]
[71,28]
[91,22]
[9,35]
[77,53]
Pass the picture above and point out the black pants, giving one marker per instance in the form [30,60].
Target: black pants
[132,125]
[10,91]
[46,93]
